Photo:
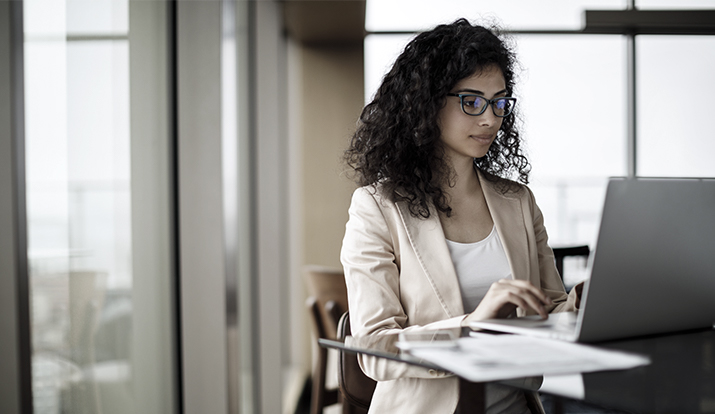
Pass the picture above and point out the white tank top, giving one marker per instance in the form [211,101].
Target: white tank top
[478,265]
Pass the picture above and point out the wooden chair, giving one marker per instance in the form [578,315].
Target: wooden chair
[327,302]
[355,387]
[568,251]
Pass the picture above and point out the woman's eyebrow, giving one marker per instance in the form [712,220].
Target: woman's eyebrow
[477,92]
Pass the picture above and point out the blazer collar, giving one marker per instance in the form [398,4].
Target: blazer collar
[429,243]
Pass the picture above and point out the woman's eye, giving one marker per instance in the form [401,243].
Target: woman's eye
[473,101]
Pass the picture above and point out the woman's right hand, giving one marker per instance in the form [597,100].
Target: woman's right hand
[504,296]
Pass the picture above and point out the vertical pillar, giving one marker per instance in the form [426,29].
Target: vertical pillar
[270,142]
[15,345]
[201,241]
[631,136]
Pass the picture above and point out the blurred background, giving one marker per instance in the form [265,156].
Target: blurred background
[171,167]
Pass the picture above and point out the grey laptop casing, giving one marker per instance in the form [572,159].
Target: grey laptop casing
[653,269]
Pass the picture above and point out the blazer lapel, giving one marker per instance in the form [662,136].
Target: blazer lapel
[508,217]
[428,241]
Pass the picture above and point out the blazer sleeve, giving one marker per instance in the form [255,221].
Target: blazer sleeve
[372,277]
[549,277]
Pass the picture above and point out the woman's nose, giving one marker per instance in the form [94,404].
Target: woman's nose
[487,118]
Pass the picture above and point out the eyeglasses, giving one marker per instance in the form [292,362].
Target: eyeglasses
[475,105]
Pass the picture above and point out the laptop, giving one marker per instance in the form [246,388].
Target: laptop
[653,269]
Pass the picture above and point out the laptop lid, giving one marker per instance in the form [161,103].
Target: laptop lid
[653,270]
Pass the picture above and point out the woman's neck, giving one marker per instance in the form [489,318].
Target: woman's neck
[470,220]
[464,182]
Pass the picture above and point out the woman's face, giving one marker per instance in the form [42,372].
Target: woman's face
[466,137]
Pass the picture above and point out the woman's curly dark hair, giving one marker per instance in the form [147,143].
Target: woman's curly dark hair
[397,142]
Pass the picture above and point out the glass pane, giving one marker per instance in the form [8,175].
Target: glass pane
[573,103]
[417,15]
[675,85]
[91,350]
[97,17]
[675,4]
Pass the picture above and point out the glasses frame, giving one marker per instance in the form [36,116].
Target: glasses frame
[490,102]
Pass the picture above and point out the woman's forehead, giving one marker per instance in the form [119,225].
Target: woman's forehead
[490,77]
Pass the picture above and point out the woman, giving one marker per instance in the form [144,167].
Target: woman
[438,234]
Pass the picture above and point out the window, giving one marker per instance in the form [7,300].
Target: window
[573,152]
[676,137]
[98,209]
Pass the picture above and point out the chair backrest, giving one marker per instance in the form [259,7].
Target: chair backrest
[355,387]
[327,287]
[568,251]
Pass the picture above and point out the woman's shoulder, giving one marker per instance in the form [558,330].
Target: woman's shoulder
[376,191]
[371,204]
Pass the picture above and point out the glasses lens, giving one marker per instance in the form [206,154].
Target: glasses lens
[473,104]
[503,107]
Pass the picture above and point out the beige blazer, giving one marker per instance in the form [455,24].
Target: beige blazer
[400,277]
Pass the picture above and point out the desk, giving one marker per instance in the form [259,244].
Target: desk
[680,379]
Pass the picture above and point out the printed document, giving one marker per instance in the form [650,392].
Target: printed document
[485,357]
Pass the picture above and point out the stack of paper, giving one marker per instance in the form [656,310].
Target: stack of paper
[496,357]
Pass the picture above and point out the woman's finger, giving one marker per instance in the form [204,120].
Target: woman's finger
[522,295]
[526,302]
[528,286]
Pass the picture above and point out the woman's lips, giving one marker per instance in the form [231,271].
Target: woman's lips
[484,139]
